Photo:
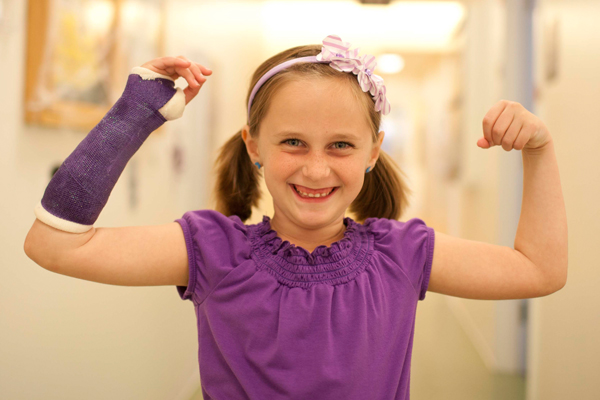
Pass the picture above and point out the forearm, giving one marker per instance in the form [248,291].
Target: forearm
[542,230]
[79,190]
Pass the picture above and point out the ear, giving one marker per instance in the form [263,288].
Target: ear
[251,144]
[376,148]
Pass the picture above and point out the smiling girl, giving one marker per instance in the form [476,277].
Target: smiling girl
[308,303]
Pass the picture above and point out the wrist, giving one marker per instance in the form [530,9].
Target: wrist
[173,108]
[545,148]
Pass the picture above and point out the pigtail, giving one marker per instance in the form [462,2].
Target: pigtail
[237,185]
[384,193]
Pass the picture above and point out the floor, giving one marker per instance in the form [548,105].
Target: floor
[445,366]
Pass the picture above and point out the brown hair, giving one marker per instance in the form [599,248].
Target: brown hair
[384,193]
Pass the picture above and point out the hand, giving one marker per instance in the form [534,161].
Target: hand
[511,125]
[181,66]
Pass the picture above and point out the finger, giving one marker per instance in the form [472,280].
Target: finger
[501,125]
[483,143]
[167,65]
[203,70]
[524,135]
[196,72]
[175,61]
[195,67]
[511,134]
[490,118]
[196,82]
[188,76]
[190,93]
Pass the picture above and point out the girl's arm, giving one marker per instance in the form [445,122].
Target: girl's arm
[63,238]
[542,230]
[126,256]
[537,266]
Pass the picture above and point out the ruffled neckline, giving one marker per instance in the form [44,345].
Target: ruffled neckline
[283,247]
[295,266]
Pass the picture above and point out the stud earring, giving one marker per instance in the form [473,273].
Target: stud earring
[368,169]
[257,164]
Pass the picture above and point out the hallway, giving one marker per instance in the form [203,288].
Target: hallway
[68,338]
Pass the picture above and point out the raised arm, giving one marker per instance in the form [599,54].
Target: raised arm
[542,231]
[537,266]
[63,238]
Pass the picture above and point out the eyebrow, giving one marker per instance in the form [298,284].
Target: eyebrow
[340,135]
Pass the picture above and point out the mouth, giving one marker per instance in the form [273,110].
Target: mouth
[321,195]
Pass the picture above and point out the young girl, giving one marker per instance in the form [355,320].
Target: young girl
[308,303]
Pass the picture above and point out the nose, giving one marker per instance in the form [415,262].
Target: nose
[316,166]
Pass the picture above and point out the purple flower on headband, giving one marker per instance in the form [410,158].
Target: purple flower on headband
[343,59]
[339,54]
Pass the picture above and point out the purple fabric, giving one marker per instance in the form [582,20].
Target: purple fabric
[80,188]
[277,322]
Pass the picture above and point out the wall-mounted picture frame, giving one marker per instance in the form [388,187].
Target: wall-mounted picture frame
[79,54]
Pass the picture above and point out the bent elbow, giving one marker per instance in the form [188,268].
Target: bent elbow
[37,255]
[558,284]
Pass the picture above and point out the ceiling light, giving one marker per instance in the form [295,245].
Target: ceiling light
[390,63]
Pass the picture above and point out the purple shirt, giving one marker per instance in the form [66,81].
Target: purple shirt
[278,322]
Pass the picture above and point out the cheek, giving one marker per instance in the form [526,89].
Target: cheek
[349,167]
[283,160]
[284,164]
[283,168]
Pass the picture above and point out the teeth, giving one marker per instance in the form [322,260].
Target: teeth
[312,195]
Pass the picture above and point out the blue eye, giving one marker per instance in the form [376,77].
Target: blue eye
[288,140]
[347,145]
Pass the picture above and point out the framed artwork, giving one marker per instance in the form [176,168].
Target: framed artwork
[79,54]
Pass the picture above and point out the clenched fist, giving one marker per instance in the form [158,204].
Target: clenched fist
[512,126]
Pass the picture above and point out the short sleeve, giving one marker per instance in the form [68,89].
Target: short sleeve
[409,245]
[216,244]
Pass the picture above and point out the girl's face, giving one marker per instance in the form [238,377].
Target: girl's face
[315,135]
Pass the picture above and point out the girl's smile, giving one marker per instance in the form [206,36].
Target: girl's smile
[311,195]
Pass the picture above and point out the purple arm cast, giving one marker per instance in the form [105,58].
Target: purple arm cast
[79,190]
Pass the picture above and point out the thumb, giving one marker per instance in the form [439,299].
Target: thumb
[483,143]
[190,93]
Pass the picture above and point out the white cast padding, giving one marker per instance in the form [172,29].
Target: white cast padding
[174,107]
[59,223]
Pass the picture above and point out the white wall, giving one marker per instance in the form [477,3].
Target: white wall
[63,338]
[563,355]
[472,201]
[226,37]
[566,358]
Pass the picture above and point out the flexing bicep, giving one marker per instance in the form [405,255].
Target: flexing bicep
[478,270]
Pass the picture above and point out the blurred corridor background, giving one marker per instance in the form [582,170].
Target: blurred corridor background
[445,63]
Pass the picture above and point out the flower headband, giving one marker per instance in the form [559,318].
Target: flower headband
[339,56]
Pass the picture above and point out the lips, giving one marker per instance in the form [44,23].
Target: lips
[313,191]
